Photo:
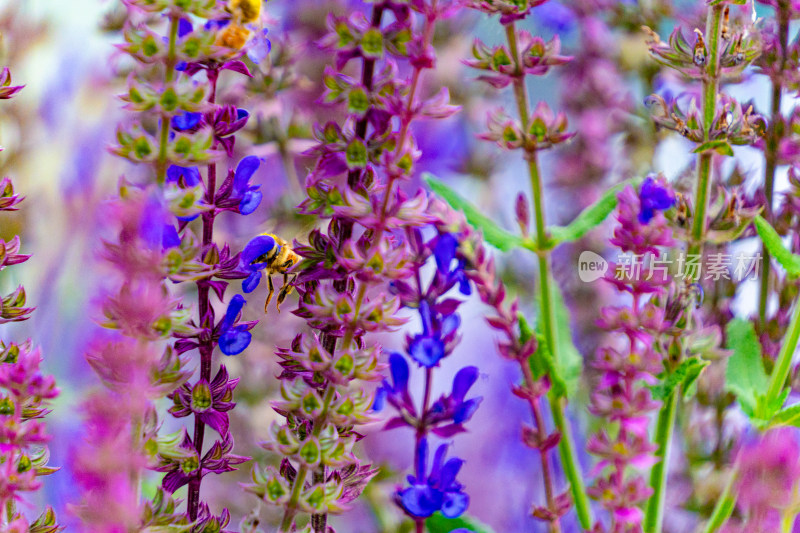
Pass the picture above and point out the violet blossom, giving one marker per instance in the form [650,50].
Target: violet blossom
[620,396]
[345,273]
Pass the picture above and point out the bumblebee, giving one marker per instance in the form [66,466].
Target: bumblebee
[242,12]
[279,260]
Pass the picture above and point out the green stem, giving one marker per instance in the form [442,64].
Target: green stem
[784,363]
[658,478]
[724,507]
[570,464]
[666,417]
[302,472]
[169,75]
[566,446]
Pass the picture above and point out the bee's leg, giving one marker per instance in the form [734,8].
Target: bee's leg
[286,289]
[271,292]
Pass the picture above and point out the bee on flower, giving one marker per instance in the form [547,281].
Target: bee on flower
[245,15]
[273,255]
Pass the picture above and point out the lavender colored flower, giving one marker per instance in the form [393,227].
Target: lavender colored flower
[25,391]
[619,397]
[769,467]
[361,163]
[193,130]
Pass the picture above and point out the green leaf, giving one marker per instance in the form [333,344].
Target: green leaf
[439,524]
[788,416]
[492,233]
[565,371]
[745,376]
[772,241]
[590,217]
[683,376]
[720,146]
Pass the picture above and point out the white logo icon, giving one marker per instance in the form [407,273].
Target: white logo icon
[591,266]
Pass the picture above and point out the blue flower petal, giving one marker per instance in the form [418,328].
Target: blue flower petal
[427,351]
[447,477]
[466,409]
[653,197]
[426,316]
[646,215]
[184,27]
[244,171]
[380,399]
[154,217]
[234,341]
[421,500]
[454,504]
[250,202]
[234,308]
[217,24]
[242,113]
[399,369]
[252,281]
[436,467]
[556,17]
[450,324]
[257,247]
[259,48]
[186,121]
[190,175]
[463,281]
[465,378]
[170,237]
[445,251]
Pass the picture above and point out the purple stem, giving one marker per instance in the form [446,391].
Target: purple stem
[206,347]
[422,433]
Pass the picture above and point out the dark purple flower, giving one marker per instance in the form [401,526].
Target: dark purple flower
[253,260]
[183,467]
[209,401]
[227,120]
[233,339]
[654,197]
[439,491]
